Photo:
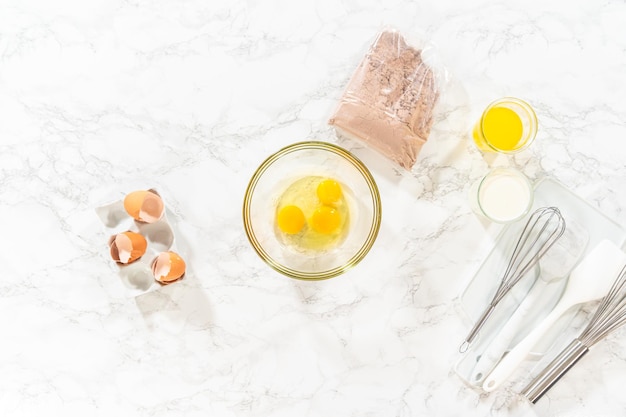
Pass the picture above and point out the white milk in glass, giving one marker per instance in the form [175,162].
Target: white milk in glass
[503,195]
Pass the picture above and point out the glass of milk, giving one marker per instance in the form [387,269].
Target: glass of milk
[504,195]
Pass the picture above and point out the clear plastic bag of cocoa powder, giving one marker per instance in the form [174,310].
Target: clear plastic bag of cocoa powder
[390,99]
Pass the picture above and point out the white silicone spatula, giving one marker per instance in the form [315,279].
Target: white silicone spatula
[590,280]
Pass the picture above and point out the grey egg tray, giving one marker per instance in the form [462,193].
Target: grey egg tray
[137,277]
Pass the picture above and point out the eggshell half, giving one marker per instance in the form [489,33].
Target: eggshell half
[144,206]
[127,247]
[168,267]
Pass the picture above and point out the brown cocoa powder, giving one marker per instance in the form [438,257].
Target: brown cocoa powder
[389,100]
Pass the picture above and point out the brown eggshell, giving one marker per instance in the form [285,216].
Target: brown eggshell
[168,267]
[127,247]
[144,206]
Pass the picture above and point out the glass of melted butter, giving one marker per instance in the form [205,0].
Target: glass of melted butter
[508,125]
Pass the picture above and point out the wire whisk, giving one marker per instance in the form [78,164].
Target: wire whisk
[610,315]
[542,229]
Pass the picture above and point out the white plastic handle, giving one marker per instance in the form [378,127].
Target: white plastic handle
[511,361]
[493,353]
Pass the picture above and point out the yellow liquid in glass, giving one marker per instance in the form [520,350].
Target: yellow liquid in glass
[503,129]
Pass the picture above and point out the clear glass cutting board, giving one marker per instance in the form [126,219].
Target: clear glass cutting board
[480,289]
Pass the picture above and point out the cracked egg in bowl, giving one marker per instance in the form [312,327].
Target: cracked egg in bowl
[312,210]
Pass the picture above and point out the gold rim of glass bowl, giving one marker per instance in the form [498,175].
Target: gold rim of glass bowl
[374,228]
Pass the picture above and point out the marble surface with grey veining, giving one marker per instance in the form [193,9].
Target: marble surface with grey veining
[99,98]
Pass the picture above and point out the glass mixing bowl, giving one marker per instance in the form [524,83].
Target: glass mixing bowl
[283,168]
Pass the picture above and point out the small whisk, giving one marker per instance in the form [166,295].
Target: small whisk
[610,315]
[543,228]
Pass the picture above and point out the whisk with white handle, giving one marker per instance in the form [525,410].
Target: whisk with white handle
[554,266]
[610,315]
[543,228]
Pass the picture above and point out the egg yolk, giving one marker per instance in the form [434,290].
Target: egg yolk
[290,219]
[329,191]
[325,220]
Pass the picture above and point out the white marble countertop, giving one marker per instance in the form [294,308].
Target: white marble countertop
[101,98]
